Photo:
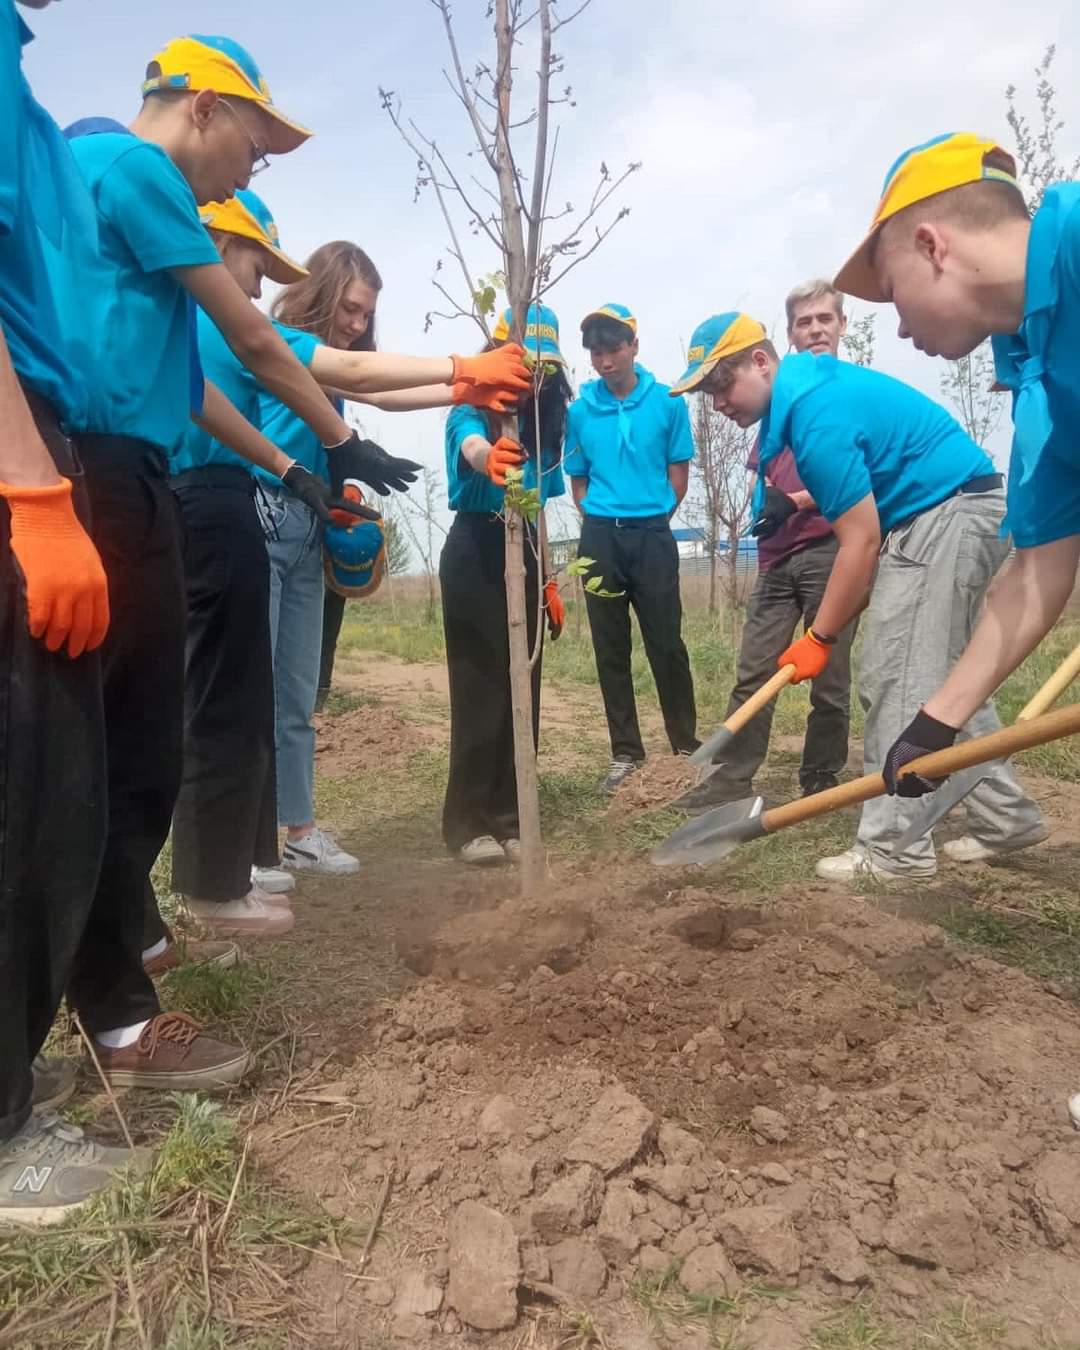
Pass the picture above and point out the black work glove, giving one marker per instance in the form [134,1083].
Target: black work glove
[371,464]
[778,507]
[922,735]
[314,492]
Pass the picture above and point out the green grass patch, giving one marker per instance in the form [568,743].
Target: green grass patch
[212,994]
[171,1236]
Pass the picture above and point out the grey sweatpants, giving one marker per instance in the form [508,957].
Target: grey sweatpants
[927,597]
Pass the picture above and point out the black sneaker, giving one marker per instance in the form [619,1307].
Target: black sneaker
[712,790]
[814,783]
[622,766]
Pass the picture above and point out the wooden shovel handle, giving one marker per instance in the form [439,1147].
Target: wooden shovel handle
[756,702]
[997,745]
[1054,687]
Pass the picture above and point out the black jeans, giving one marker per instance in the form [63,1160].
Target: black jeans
[135,524]
[481,791]
[784,596]
[641,561]
[226,813]
[53,809]
[332,615]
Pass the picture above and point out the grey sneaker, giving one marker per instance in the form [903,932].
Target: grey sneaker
[54,1082]
[49,1169]
[622,766]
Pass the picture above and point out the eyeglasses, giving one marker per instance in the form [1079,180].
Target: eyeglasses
[258,155]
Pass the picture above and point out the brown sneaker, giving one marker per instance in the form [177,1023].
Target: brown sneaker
[172,1054]
[189,952]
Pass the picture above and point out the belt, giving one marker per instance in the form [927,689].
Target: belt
[985,482]
[41,409]
[631,522]
[229,476]
[122,452]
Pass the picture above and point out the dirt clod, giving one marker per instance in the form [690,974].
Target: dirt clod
[708,1273]
[762,1239]
[616,1132]
[485,1267]
[577,1267]
[568,1205]
[934,1224]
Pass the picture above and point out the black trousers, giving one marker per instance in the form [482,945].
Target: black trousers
[53,809]
[481,792]
[226,812]
[135,524]
[642,561]
[332,615]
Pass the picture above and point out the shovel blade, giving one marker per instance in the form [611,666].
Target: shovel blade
[711,836]
[941,803]
[708,749]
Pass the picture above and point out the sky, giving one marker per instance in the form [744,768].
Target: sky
[764,133]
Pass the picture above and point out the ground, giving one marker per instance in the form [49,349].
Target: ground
[872,1085]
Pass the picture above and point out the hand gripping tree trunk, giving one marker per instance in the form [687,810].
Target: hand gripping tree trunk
[511,218]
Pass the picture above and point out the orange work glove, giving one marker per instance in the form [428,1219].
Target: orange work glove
[490,396]
[556,610]
[809,656]
[67,597]
[502,366]
[504,454]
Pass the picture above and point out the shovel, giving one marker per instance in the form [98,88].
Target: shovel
[722,738]
[954,792]
[718,832]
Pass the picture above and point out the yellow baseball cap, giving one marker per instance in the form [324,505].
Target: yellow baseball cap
[611,310]
[948,161]
[198,62]
[248,216]
[712,340]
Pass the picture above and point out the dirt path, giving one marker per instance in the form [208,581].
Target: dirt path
[878,1115]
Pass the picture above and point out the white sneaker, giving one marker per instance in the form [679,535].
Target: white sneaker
[968,849]
[318,851]
[854,865]
[484,851]
[250,916]
[273,880]
[271,899]
[512,849]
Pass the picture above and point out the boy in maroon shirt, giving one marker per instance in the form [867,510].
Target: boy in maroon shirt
[796,550]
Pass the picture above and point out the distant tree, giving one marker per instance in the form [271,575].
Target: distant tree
[720,491]
[1039,160]
[858,342]
[968,384]
[398,552]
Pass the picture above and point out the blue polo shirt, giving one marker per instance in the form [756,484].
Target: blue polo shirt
[855,431]
[43,206]
[624,447]
[130,321]
[468,490]
[290,433]
[197,448]
[1041,365]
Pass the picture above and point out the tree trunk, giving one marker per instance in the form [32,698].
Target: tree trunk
[713,561]
[525,770]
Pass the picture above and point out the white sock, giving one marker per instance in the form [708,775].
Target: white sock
[155,950]
[120,1037]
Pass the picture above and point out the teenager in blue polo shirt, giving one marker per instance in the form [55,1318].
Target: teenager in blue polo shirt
[953,247]
[480,811]
[206,122]
[909,493]
[628,453]
[53,615]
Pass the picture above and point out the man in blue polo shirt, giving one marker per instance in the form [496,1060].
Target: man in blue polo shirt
[895,476]
[628,453]
[52,595]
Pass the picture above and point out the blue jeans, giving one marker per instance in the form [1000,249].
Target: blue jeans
[294,545]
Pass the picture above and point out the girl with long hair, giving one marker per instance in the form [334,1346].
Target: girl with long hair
[480,811]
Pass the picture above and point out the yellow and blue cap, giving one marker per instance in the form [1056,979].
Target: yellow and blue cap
[948,161]
[611,311]
[248,216]
[541,332]
[717,337]
[199,62]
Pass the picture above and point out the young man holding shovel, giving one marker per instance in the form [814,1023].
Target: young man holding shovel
[953,247]
[796,551]
[628,453]
[908,493]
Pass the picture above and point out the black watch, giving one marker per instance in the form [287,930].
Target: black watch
[823,638]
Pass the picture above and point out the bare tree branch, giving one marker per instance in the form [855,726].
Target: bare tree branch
[561,23]
[467,101]
[601,235]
